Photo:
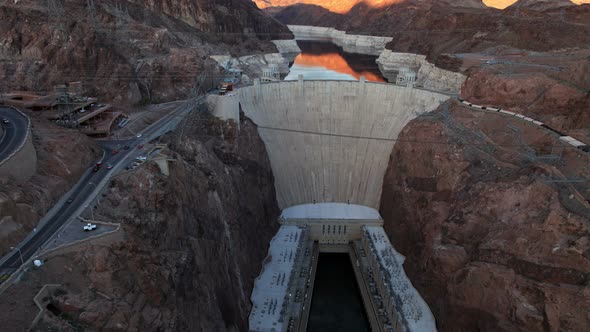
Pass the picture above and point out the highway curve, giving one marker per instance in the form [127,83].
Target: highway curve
[15,131]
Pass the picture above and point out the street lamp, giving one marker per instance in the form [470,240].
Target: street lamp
[91,211]
[95,187]
[22,262]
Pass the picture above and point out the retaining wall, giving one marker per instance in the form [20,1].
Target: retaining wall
[22,163]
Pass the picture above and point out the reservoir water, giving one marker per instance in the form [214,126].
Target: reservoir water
[336,304]
[323,60]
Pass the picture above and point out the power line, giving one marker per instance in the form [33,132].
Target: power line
[361,137]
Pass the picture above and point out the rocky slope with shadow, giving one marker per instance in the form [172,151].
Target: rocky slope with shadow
[127,51]
[491,241]
[194,241]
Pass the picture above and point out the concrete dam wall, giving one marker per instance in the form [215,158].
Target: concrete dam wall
[330,141]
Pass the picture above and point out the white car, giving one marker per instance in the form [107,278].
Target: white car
[138,135]
[89,227]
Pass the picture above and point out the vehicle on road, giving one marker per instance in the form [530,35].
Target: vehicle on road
[70,200]
[95,169]
[139,135]
[109,166]
[5,120]
[89,227]
[114,151]
[126,147]
[139,147]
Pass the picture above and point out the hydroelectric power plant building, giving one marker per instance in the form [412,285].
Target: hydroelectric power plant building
[329,143]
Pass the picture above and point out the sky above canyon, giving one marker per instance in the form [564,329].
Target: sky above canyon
[343,6]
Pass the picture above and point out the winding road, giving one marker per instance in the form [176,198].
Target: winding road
[13,133]
[86,189]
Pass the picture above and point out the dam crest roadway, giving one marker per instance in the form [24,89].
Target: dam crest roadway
[329,144]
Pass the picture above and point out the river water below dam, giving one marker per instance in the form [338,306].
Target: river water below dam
[336,304]
[324,60]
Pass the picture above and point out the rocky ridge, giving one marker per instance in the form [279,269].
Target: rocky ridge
[489,244]
[193,241]
[128,52]
[344,6]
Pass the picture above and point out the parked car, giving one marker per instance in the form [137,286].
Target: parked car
[70,200]
[5,120]
[96,168]
[114,152]
[89,227]
[126,147]
[139,147]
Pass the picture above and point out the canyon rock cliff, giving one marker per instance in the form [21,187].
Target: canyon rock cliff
[433,28]
[560,100]
[491,242]
[193,243]
[129,52]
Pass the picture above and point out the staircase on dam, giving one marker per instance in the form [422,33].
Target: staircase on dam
[281,299]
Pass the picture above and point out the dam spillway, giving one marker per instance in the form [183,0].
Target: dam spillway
[330,141]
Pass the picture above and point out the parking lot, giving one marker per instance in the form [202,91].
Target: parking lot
[74,231]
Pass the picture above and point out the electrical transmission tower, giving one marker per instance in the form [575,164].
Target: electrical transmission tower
[91,8]
[119,23]
[55,13]
[562,15]
[191,119]
[517,12]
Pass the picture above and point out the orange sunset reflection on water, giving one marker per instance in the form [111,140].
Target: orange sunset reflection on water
[323,60]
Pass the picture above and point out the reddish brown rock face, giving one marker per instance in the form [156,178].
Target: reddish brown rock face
[489,244]
[193,243]
[128,52]
[196,240]
[559,98]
